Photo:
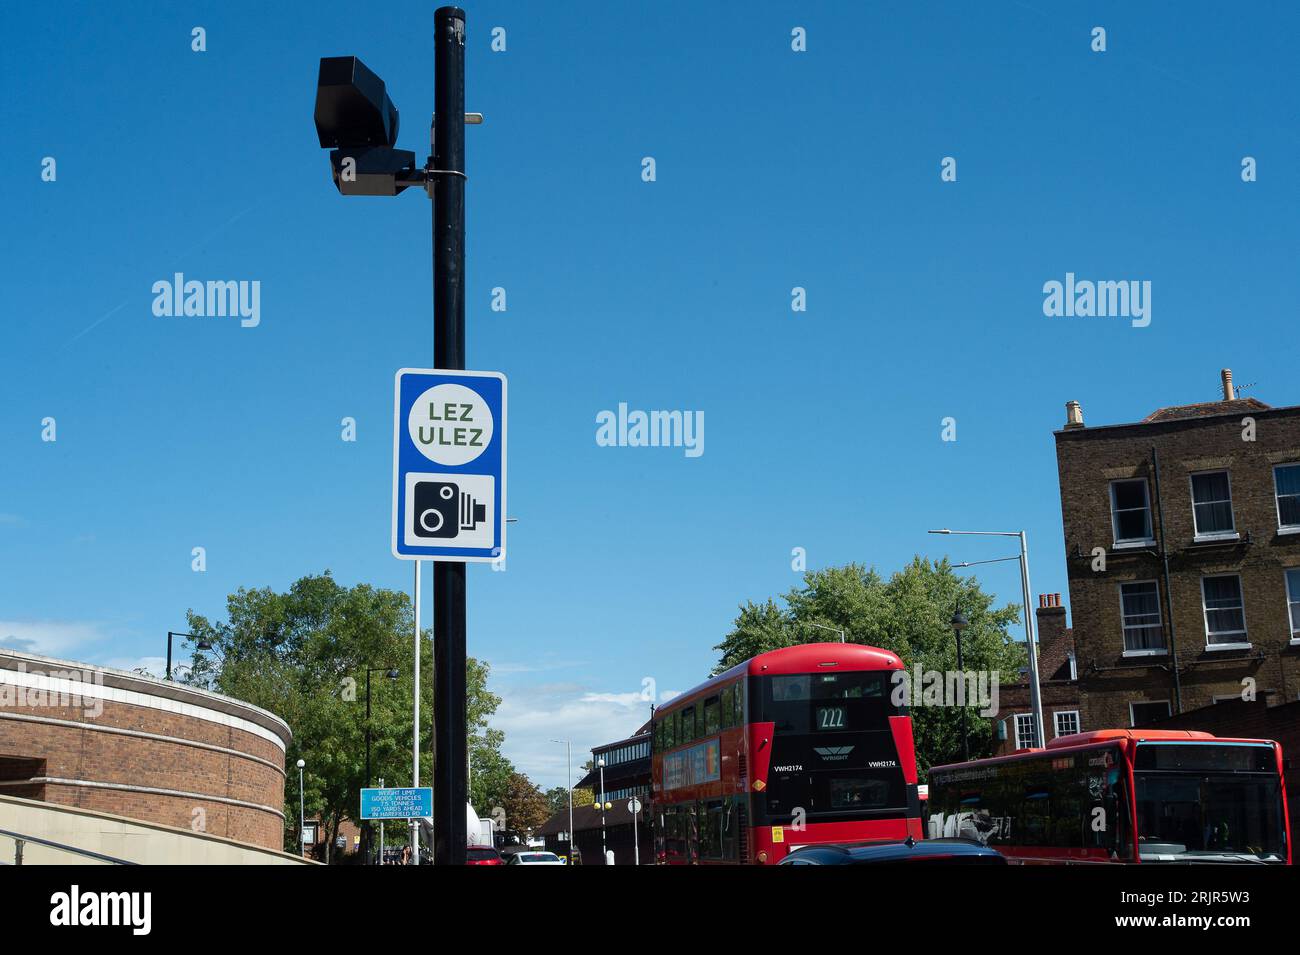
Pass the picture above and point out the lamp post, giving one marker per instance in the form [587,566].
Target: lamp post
[203,644]
[959,623]
[1035,692]
[391,674]
[381,829]
[568,757]
[604,853]
[821,626]
[302,821]
[634,807]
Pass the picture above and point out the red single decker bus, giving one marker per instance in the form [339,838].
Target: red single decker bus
[795,747]
[1121,796]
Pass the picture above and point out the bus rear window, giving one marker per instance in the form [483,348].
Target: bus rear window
[826,702]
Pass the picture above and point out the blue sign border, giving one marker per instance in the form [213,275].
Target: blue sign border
[409,384]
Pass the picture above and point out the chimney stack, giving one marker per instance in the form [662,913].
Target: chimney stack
[1073,415]
[1055,639]
[1227,385]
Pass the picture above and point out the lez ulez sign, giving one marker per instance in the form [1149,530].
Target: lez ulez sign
[449,465]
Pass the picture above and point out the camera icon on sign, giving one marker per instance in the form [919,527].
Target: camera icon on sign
[442,509]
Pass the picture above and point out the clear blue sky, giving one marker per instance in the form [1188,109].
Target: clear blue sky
[775,169]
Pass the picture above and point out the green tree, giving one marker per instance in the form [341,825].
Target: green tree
[557,798]
[303,655]
[908,614]
[525,805]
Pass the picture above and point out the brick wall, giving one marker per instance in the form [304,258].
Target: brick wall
[1057,691]
[69,743]
[1088,460]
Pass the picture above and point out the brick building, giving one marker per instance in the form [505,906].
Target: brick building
[1182,540]
[131,745]
[626,775]
[1064,708]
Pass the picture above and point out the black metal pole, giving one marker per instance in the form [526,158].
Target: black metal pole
[450,755]
[169,654]
[961,675]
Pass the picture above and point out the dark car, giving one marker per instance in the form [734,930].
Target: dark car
[926,852]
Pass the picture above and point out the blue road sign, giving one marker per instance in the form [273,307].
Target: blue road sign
[449,465]
[396,803]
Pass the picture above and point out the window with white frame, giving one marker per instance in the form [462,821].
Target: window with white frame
[1286,486]
[1212,504]
[1140,612]
[1293,598]
[1025,736]
[1067,722]
[1225,614]
[1130,512]
[1147,712]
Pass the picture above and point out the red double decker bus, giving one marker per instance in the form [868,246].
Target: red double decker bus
[797,746]
[1121,796]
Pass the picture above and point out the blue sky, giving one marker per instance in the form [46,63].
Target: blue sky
[775,169]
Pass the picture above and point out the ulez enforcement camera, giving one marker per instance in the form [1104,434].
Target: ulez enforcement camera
[358,122]
[443,510]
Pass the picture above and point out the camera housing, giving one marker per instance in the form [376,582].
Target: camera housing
[367,171]
[356,119]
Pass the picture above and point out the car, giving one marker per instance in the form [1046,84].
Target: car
[908,852]
[482,855]
[535,858]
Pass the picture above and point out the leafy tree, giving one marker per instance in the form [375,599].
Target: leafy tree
[908,614]
[489,779]
[303,655]
[525,805]
[557,798]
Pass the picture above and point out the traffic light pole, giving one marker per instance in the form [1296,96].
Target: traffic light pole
[450,755]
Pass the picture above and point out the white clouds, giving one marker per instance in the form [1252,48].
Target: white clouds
[533,716]
[51,638]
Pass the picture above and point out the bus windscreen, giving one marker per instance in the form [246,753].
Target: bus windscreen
[1199,800]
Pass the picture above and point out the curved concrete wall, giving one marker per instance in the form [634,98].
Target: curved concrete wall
[131,745]
[126,839]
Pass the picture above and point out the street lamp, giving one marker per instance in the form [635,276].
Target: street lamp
[604,853]
[821,626]
[958,624]
[634,807]
[568,756]
[1035,692]
[203,644]
[391,674]
[302,822]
